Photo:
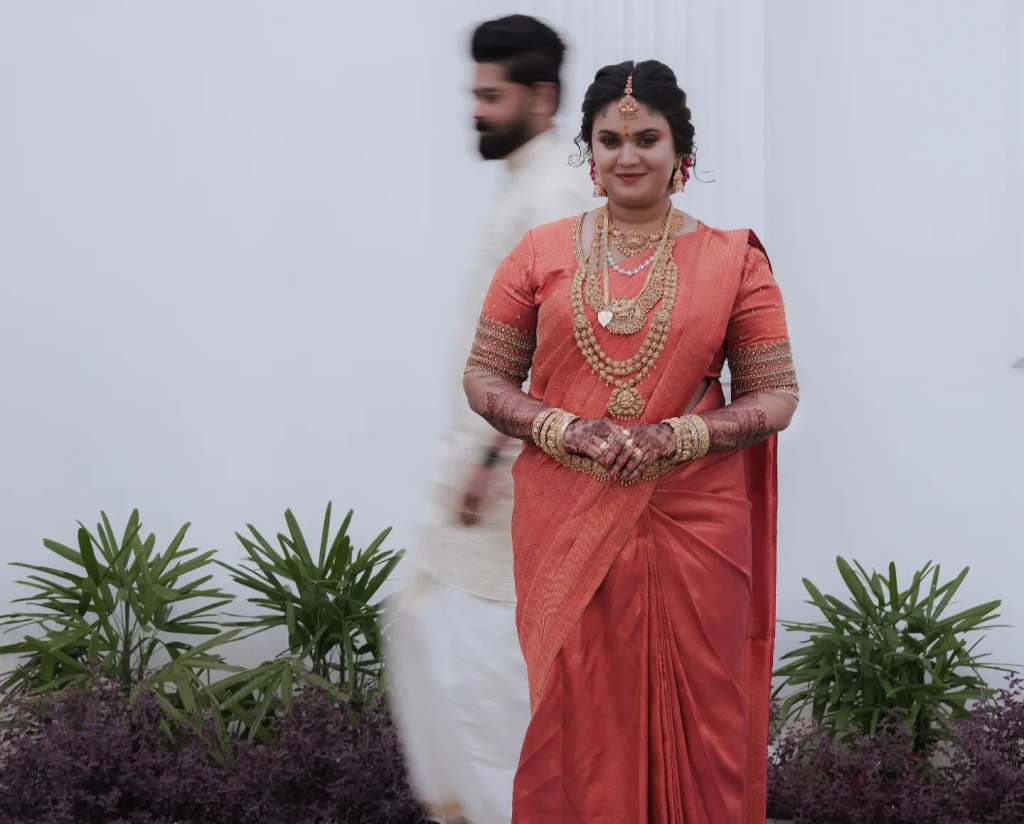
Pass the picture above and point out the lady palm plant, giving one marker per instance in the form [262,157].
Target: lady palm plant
[327,603]
[119,610]
[888,653]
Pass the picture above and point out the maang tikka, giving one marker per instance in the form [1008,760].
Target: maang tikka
[628,107]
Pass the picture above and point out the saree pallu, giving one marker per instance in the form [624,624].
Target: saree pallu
[645,613]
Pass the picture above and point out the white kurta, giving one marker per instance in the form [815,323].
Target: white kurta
[458,680]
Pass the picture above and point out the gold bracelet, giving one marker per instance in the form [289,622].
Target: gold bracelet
[563,426]
[683,439]
[693,439]
[703,436]
[539,421]
[551,433]
[547,432]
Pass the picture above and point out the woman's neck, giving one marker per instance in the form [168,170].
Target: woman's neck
[640,217]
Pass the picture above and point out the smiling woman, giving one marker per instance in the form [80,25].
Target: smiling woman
[644,527]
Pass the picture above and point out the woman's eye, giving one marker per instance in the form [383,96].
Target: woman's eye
[648,141]
[608,141]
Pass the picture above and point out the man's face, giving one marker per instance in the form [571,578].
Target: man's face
[501,112]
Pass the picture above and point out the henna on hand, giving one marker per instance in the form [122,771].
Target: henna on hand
[502,404]
[749,420]
[599,439]
[652,442]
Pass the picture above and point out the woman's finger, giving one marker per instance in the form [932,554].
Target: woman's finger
[645,464]
[623,458]
[626,473]
[617,438]
[591,448]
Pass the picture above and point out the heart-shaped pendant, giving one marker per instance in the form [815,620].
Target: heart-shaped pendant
[604,317]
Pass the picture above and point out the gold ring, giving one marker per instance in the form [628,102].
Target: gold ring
[629,443]
[604,446]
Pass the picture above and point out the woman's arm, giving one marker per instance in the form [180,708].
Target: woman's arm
[512,412]
[502,404]
[749,420]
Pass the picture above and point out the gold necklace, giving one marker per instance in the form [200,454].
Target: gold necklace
[633,242]
[626,402]
[625,316]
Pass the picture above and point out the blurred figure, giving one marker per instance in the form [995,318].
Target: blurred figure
[459,686]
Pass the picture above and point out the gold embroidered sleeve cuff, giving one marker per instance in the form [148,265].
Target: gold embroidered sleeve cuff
[502,350]
[763,368]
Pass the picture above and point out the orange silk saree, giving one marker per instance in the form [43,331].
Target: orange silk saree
[645,613]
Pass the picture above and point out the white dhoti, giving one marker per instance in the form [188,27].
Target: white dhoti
[459,697]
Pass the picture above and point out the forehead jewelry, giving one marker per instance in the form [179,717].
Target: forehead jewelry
[628,107]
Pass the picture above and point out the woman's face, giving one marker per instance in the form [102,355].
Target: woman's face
[635,159]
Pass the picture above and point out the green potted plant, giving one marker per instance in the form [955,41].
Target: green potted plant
[117,608]
[887,653]
[327,603]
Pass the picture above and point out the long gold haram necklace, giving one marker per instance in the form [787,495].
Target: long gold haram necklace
[626,402]
[624,316]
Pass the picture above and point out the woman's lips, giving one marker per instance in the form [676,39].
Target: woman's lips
[630,178]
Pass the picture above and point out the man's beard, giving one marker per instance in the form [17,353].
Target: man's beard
[497,145]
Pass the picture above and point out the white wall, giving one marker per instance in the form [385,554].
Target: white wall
[214,302]
[205,312]
[888,223]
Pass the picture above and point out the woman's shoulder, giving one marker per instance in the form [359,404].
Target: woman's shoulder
[742,235]
[555,237]
[745,239]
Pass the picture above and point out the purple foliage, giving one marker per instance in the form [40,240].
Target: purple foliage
[978,779]
[988,763]
[86,757]
[815,779]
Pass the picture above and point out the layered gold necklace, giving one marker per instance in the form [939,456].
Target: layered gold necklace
[624,316]
[634,241]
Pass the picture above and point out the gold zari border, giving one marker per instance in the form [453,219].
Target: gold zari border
[502,350]
[763,368]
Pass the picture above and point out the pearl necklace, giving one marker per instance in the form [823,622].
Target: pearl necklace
[630,272]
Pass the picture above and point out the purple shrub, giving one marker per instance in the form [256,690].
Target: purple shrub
[977,778]
[92,756]
[988,761]
[816,779]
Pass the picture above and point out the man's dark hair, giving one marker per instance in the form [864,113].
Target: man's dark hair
[531,51]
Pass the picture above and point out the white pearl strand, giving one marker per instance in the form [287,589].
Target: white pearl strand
[630,272]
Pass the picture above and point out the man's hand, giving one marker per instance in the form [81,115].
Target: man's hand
[475,494]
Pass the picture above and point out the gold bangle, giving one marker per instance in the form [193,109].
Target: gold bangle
[703,436]
[539,421]
[547,431]
[550,433]
[693,439]
[681,433]
[563,427]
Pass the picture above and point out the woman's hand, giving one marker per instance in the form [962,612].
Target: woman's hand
[645,444]
[600,439]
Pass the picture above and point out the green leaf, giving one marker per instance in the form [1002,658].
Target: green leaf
[64,552]
[92,568]
[324,538]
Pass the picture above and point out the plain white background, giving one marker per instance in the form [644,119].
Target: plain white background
[229,234]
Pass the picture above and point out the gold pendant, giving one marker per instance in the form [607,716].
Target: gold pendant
[626,404]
